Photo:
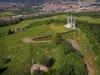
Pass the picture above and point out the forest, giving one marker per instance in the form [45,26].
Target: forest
[7,22]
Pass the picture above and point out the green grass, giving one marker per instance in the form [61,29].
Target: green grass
[47,50]
[2,14]
[84,39]
[16,38]
[89,19]
[89,54]
[19,59]
[20,56]
[31,32]
[12,47]
[59,28]
[24,24]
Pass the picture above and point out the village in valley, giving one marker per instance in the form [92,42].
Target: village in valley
[50,7]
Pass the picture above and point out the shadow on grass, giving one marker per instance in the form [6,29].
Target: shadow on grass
[5,60]
[51,62]
[3,69]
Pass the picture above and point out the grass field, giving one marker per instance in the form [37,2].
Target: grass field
[89,20]
[24,24]
[89,54]
[12,47]
[85,45]
[2,14]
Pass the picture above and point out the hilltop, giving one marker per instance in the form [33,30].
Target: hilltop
[17,55]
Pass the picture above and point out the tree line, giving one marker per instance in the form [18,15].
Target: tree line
[7,22]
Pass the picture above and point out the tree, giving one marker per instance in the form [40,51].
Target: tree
[9,31]
[67,47]
[73,65]
[57,38]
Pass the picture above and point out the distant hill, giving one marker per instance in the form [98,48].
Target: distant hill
[21,1]
[98,0]
[39,1]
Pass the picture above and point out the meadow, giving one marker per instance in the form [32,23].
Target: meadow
[2,14]
[21,54]
[12,47]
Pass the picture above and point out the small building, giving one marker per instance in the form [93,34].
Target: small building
[71,21]
[18,29]
[38,67]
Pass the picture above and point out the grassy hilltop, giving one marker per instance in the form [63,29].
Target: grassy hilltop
[66,61]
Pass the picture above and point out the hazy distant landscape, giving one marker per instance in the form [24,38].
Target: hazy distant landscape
[40,0]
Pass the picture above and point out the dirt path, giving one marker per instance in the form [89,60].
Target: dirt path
[74,44]
[88,67]
[77,47]
[30,40]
